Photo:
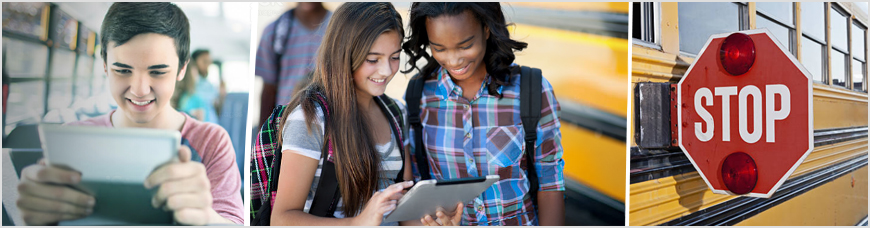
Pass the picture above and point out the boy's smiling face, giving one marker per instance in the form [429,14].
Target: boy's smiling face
[142,75]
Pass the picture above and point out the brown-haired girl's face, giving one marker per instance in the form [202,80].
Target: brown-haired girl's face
[458,43]
[379,66]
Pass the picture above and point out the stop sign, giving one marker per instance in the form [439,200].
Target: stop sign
[745,113]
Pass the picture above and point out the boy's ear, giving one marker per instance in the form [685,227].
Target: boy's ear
[183,71]
[105,68]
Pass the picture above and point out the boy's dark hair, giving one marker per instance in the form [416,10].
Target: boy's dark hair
[500,47]
[128,19]
[195,55]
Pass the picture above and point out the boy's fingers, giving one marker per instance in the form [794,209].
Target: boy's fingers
[42,218]
[194,217]
[56,192]
[174,172]
[181,201]
[49,174]
[32,203]
[184,153]
[171,188]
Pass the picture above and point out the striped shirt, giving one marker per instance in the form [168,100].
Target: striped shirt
[297,139]
[296,60]
[485,136]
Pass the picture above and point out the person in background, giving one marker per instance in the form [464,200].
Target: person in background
[201,60]
[187,100]
[286,53]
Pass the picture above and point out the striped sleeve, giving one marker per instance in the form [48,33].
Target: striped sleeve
[548,153]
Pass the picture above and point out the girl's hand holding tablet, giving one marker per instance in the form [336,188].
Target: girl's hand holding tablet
[381,203]
[443,219]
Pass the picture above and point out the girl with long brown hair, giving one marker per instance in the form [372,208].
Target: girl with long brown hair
[358,57]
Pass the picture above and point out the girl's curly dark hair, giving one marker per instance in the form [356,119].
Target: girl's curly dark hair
[499,47]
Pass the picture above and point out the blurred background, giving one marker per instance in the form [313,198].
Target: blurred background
[582,49]
[53,72]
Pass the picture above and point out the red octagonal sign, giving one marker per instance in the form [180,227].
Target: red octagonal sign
[745,113]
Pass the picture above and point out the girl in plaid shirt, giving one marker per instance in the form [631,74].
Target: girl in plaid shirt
[470,112]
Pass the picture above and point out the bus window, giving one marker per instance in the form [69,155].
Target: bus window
[700,20]
[30,61]
[859,57]
[813,39]
[840,47]
[26,104]
[812,56]
[779,19]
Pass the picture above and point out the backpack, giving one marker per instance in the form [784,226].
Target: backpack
[266,162]
[530,113]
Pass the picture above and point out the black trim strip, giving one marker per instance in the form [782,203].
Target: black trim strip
[585,206]
[460,181]
[863,222]
[736,210]
[593,119]
[658,163]
[593,22]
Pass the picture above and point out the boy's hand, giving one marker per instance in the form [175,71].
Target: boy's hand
[443,220]
[46,197]
[184,188]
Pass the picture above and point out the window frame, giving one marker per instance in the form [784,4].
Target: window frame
[821,41]
[650,25]
[847,68]
[792,28]
[861,59]
[742,25]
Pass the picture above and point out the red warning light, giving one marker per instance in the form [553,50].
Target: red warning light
[737,53]
[739,173]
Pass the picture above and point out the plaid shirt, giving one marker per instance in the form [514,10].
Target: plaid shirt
[485,136]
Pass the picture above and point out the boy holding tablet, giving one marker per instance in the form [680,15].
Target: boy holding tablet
[145,48]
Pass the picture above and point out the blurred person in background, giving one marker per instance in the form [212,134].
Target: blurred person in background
[285,56]
[200,60]
[187,99]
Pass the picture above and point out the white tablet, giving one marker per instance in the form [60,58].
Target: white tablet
[114,163]
[426,196]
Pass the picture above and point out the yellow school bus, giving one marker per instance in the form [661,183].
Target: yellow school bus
[830,186]
[585,58]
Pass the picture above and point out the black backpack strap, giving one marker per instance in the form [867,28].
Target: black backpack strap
[412,96]
[326,197]
[530,113]
[280,36]
[389,107]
